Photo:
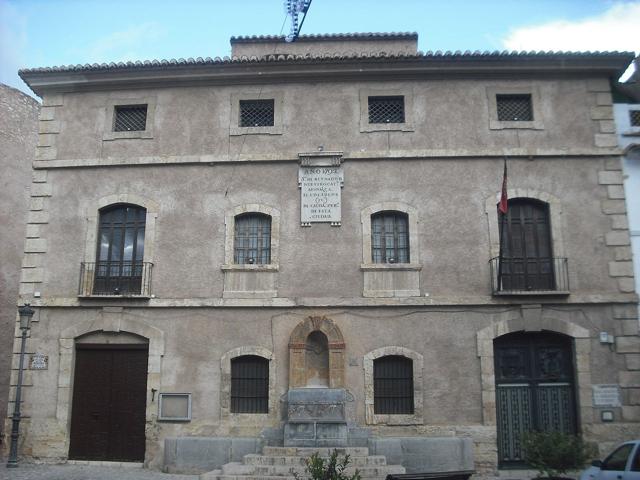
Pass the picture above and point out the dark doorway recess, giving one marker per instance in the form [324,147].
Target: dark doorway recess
[109,402]
[535,389]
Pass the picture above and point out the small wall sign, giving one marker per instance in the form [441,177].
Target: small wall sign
[606,396]
[39,361]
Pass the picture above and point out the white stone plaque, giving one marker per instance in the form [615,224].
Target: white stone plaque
[606,396]
[320,194]
[39,361]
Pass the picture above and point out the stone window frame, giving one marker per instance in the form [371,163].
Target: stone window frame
[414,251]
[92,217]
[278,105]
[230,228]
[147,133]
[225,385]
[406,93]
[372,418]
[536,105]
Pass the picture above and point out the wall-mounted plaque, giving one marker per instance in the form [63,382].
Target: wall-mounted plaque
[320,178]
[606,396]
[174,407]
[39,361]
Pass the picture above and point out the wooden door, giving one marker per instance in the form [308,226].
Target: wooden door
[109,403]
[527,259]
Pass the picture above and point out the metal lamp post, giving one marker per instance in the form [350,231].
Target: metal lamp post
[26,312]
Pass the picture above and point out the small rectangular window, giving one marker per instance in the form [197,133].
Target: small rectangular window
[634,118]
[256,113]
[130,118]
[386,109]
[514,108]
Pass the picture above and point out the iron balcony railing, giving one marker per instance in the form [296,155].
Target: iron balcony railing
[115,278]
[522,276]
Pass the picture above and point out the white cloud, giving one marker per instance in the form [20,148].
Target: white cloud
[124,44]
[618,28]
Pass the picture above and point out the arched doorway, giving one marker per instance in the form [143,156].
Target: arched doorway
[535,389]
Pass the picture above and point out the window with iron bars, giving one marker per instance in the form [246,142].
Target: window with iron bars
[252,239]
[634,118]
[256,113]
[393,385]
[390,237]
[386,109]
[130,118]
[249,384]
[514,108]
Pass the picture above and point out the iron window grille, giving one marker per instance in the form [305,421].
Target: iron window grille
[634,118]
[514,108]
[386,109]
[390,237]
[252,239]
[130,118]
[256,113]
[249,384]
[393,385]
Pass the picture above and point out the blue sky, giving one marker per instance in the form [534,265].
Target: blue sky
[61,32]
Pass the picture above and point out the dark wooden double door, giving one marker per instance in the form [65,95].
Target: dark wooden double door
[534,389]
[109,403]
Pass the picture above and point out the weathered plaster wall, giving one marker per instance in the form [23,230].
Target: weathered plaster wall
[18,138]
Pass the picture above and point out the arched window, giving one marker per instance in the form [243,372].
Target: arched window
[393,385]
[252,239]
[526,259]
[390,237]
[120,251]
[249,384]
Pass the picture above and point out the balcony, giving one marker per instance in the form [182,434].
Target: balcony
[115,279]
[525,276]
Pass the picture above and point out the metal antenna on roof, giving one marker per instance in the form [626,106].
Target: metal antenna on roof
[294,8]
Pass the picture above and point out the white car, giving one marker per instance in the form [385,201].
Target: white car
[622,464]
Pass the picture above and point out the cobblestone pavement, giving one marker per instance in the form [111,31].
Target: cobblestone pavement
[84,472]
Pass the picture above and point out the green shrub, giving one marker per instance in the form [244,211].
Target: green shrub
[320,468]
[555,453]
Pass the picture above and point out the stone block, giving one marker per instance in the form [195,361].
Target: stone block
[612,163]
[626,285]
[35,245]
[606,140]
[47,139]
[244,446]
[46,153]
[623,253]
[629,379]
[632,361]
[617,238]
[628,311]
[627,327]
[602,113]
[631,413]
[49,126]
[32,275]
[607,126]
[621,269]
[53,100]
[610,177]
[615,192]
[47,113]
[39,176]
[633,396]
[619,222]
[603,98]
[40,190]
[32,260]
[628,344]
[33,231]
[39,216]
[196,454]
[613,206]
[26,289]
[598,85]
[36,203]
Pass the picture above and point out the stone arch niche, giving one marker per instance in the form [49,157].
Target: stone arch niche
[311,360]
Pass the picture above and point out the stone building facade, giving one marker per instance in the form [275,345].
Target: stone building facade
[300,246]
[18,139]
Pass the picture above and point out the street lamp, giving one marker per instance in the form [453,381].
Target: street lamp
[25,312]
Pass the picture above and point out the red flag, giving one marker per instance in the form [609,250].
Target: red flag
[503,205]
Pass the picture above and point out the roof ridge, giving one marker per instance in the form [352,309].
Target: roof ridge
[326,36]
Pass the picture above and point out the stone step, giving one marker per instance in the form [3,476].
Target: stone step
[257,459]
[248,477]
[308,451]
[365,472]
[237,468]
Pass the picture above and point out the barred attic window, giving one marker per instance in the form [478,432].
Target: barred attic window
[634,118]
[386,109]
[130,118]
[256,113]
[249,384]
[514,108]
